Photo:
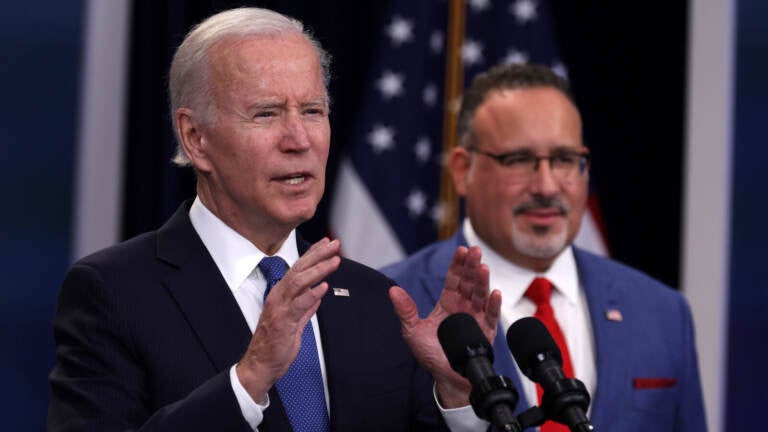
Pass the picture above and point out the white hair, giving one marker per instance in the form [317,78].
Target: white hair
[188,84]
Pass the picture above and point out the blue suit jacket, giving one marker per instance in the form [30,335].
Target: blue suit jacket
[653,340]
[146,332]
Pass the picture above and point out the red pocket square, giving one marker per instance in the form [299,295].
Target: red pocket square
[653,383]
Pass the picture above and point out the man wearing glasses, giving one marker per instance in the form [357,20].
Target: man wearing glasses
[523,172]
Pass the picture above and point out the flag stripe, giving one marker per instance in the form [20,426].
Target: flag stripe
[356,216]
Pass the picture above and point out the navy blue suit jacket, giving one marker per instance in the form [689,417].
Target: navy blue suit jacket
[146,332]
[653,342]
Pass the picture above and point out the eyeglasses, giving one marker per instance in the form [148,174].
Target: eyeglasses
[520,165]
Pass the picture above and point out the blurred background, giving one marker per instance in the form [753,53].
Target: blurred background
[673,98]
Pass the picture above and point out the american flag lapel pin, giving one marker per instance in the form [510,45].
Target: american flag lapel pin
[341,292]
[614,315]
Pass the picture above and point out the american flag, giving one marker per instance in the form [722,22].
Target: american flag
[386,200]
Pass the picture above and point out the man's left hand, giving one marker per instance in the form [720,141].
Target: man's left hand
[466,290]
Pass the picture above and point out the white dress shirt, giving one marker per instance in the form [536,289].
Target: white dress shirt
[568,302]
[237,259]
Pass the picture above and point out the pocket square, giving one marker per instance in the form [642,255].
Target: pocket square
[653,383]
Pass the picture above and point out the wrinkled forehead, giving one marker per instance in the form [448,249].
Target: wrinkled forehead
[285,56]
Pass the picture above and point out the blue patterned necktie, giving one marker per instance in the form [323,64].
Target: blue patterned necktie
[301,388]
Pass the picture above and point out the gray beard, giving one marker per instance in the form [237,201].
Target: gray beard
[541,243]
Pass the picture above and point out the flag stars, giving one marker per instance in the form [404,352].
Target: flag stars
[515,56]
[416,202]
[422,149]
[438,213]
[524,11]
[390,85]
[429,95]
[478,6]
[382,138]
[560,69]
[400,30]
[436,40]
[472,52]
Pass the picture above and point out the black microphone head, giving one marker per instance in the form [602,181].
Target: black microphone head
[462,339]
[527,339]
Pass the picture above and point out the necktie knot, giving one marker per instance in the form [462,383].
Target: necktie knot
[539,291]
[273,268]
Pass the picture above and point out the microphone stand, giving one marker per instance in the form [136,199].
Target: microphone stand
[566,403]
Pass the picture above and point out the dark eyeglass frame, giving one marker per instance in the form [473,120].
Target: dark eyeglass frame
[507,159]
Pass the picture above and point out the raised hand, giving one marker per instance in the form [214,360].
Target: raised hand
[466,290]
[289,306]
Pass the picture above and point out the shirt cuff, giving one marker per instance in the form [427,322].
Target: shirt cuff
[462,419]
[252,412]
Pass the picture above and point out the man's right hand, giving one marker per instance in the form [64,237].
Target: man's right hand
[287,310]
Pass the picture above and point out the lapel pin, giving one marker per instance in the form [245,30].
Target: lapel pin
[341,292]
[614,315]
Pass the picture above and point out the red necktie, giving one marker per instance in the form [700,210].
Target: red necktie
[539,292]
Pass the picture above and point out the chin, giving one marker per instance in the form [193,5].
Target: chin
[298,216]
[539,245]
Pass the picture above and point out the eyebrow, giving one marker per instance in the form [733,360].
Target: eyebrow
[323,100]
[320,101]
[559,148]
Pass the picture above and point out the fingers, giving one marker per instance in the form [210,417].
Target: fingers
[466,283]
[289,307]
[477,287]
[466,272]
[309,302]
[405,308]
[297,296]
[455,269]
[317,263]
[493,311]
[319,251]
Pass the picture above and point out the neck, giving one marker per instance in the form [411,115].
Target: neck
[266,235]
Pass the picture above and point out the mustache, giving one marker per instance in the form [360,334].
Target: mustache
[541,202]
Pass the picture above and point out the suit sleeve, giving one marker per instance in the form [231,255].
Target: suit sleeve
[99,383]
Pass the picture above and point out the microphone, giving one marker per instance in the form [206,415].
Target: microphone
[493,396]
[565,400]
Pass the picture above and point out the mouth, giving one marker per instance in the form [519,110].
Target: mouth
[542,213]
[549,212]
[293,179]
[542,208]
[543,216]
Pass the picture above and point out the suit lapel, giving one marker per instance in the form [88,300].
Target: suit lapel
[611,340]
[334,317]
[201,292]
[208,304]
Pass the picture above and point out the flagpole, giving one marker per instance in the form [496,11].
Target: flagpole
[454,82]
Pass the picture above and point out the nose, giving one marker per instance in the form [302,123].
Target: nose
[543,181]
[295,135]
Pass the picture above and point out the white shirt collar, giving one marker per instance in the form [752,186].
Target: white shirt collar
[234,255]
[512,280]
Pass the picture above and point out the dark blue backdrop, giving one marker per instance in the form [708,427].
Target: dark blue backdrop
[38,84]
[748,309]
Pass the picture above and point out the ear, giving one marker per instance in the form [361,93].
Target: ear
[459,163]
[188,127]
